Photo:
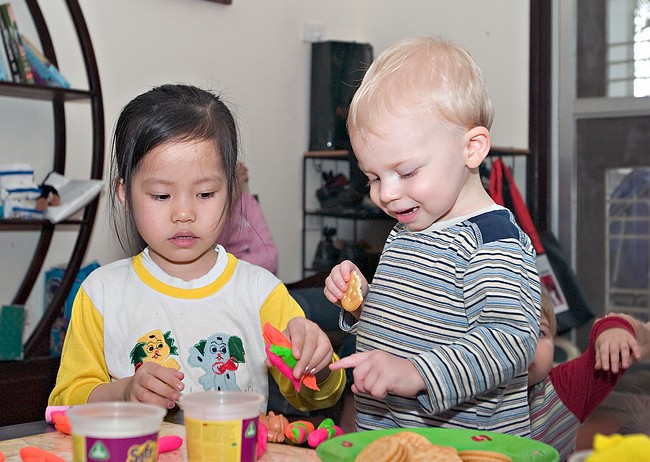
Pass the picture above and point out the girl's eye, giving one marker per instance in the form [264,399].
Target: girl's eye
[408,175]
[372,181]
[206,195]
[160,197]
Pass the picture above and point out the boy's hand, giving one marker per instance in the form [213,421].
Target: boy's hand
[378,373]
[615,347]
[337,283]
[155,384]
[310,346]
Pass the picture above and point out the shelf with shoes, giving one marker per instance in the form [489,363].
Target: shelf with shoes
[339,220]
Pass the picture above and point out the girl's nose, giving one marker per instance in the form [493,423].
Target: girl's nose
[183,214]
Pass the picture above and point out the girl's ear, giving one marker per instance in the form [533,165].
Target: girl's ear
[478,146]
[121,192]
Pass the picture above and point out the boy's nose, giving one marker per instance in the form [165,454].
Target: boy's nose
[388,191]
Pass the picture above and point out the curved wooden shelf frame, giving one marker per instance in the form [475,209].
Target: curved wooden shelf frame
[38,344]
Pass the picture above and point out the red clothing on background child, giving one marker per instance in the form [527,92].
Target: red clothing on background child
[571,392]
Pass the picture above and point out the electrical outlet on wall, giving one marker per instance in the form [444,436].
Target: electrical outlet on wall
[311,31]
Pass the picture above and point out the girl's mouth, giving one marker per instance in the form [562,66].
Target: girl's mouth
[183,240]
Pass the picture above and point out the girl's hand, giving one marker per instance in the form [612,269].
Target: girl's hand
[337,283]
[155,384]
[310,346]
[378,373]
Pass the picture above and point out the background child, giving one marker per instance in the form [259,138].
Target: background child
[182,315]
[562,397]
[246,234]
[451,319]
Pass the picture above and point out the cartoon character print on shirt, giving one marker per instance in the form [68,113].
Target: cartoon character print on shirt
[219,356]
[156,347]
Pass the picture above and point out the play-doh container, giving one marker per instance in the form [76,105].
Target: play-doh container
[221,426]
[115,431]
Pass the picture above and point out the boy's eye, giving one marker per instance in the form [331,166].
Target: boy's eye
[406,176]
[371,181]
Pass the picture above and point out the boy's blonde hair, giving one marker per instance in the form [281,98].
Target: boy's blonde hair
[548,311]
[422,76]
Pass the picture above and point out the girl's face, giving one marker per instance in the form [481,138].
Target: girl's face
[178,197]
[543,360]
[419,173]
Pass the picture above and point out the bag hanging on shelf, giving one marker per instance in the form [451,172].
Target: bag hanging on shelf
[569,303]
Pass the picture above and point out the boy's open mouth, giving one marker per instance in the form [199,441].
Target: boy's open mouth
[406,212]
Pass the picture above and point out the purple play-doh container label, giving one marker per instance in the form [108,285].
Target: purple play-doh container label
[127,449]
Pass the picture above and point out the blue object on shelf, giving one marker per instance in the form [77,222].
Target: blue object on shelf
[53,278]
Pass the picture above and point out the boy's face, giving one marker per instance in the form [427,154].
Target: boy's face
[417,170]
[543,360]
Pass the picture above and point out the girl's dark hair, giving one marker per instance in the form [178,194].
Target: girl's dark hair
[164,114]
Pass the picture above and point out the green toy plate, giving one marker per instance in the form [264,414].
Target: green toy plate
[345,448]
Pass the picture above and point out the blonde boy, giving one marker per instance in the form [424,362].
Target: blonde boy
[451,319]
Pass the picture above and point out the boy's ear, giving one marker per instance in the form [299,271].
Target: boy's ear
[477,145]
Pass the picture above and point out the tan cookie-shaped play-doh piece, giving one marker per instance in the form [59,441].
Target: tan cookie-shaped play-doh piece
[384,449]
[353,297]
[476,455]
[422,450]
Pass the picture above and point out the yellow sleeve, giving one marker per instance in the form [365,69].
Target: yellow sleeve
[83,365]
[278,309]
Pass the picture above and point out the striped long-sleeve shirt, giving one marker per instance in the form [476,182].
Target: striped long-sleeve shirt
[460,300]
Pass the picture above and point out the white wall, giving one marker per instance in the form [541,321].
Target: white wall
[251,50]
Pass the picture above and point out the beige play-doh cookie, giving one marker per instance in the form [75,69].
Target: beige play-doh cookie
[483,456]
[353,296]
[385,449]
[407,446]
[422,450]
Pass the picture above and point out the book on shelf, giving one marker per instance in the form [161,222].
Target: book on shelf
[5,73]
[45,73]
[8,18]
[4,70]
[12,62]
[73,194]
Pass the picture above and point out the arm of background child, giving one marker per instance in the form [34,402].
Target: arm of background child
[83,366]
[616,346]
[577,382]
[641,333]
